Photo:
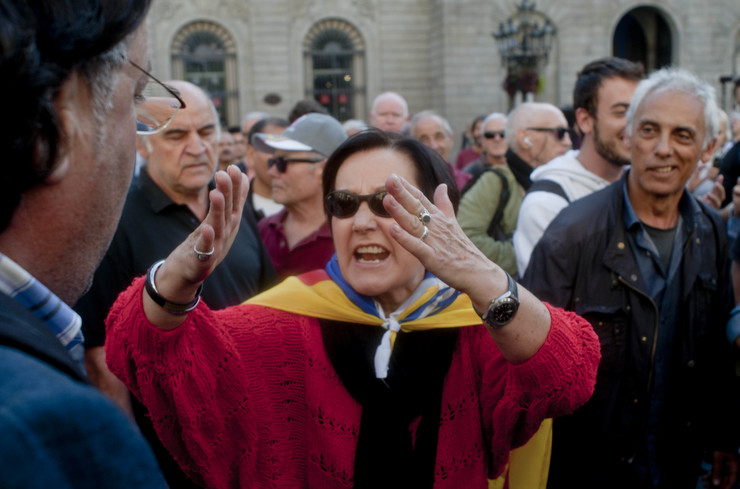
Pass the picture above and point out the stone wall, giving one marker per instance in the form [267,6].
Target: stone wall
[439,54]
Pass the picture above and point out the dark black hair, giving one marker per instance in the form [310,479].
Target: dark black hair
[41,44]
[430,167]
[260,125]
[306,106]
[588,80]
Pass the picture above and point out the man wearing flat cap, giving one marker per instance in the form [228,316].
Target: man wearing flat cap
[298,238]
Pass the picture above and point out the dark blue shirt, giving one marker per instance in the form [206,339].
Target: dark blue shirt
[663,285]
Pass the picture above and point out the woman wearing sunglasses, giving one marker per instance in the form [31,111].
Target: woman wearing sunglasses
[375,372]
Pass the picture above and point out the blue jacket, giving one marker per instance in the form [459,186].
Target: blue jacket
[584,263]
[56,430]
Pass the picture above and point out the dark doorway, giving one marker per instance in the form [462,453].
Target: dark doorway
[643,35]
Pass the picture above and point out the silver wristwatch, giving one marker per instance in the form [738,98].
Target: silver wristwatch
[503,308]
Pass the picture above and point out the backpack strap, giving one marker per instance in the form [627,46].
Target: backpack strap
[503,199]
[545,185]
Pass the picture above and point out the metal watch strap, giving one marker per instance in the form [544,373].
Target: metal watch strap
[171,307]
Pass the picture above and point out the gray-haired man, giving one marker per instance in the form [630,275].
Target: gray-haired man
[647,265]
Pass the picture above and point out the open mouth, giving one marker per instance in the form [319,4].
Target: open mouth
[371,254]
[664,169]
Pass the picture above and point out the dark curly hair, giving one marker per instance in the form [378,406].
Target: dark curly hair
[41,44]
[431,169]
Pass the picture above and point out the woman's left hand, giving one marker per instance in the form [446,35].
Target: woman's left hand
[448,253]
[445,250]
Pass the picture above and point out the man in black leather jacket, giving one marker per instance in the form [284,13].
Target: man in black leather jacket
[647,265]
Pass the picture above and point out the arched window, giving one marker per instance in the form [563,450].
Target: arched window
[205,54]
[643,35]
[334,57]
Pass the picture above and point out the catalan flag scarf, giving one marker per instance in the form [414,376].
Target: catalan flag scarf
[325,294]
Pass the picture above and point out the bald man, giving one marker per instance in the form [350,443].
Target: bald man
[536,133]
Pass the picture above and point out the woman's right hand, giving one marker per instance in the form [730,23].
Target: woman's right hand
[178,279]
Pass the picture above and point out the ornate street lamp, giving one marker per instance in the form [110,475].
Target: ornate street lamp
[524,45]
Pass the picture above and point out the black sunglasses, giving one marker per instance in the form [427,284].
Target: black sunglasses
[559,132]
[341,204]
[493,134]
[281,162]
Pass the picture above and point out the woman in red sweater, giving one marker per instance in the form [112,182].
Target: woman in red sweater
[362,374]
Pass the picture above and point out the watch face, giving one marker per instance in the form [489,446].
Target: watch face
[504,311]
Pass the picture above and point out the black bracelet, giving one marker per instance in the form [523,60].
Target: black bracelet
[171,307]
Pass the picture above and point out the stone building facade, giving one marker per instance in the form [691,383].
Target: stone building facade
[439,54]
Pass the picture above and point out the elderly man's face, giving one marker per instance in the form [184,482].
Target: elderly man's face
[492,138]
[431,132]
[301,181]
[389,115]
[666,144]
[182,159]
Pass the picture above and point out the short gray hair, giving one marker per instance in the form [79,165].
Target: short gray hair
[495,116]
[392,96]
[678,80]
[424,114]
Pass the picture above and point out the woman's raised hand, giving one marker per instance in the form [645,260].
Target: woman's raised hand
[178,279]
[448,253]
[445,250]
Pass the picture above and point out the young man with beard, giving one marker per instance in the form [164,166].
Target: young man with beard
[602,94]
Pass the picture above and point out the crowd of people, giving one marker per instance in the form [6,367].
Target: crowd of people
[304,302]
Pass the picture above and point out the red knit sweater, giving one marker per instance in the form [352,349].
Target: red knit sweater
[246,397]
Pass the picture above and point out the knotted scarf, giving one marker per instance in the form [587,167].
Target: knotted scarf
[390,400]
[325,294]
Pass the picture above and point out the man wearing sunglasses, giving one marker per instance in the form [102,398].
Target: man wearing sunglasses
[493,144]
[298,238]
[601,96]
[536,133]
[165,204]
[490,201]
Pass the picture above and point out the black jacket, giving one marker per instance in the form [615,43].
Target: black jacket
[584,263]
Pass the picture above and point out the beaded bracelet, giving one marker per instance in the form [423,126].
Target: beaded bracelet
[171,307]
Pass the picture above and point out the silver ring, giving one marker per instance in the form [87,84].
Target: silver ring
[203,255]
[425,216]
[424,234]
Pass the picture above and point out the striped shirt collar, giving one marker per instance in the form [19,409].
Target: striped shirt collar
[66,324]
